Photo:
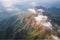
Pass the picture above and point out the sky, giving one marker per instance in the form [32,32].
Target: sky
[17,5]
[9,3]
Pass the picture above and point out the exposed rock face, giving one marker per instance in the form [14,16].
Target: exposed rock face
[40,28]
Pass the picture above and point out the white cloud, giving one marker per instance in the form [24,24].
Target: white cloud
[32,11]
[46,1]
[12,9]
[33,3]
[10,3]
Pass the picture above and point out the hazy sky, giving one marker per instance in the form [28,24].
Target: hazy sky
[10,4]
[16,6]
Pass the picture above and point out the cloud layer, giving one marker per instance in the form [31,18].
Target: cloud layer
[10,4]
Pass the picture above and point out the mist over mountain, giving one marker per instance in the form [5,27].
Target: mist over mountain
[54,14]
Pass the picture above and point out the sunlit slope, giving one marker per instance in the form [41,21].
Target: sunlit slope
[24,26]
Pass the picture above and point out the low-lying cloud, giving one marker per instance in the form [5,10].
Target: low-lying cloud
[10,4]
